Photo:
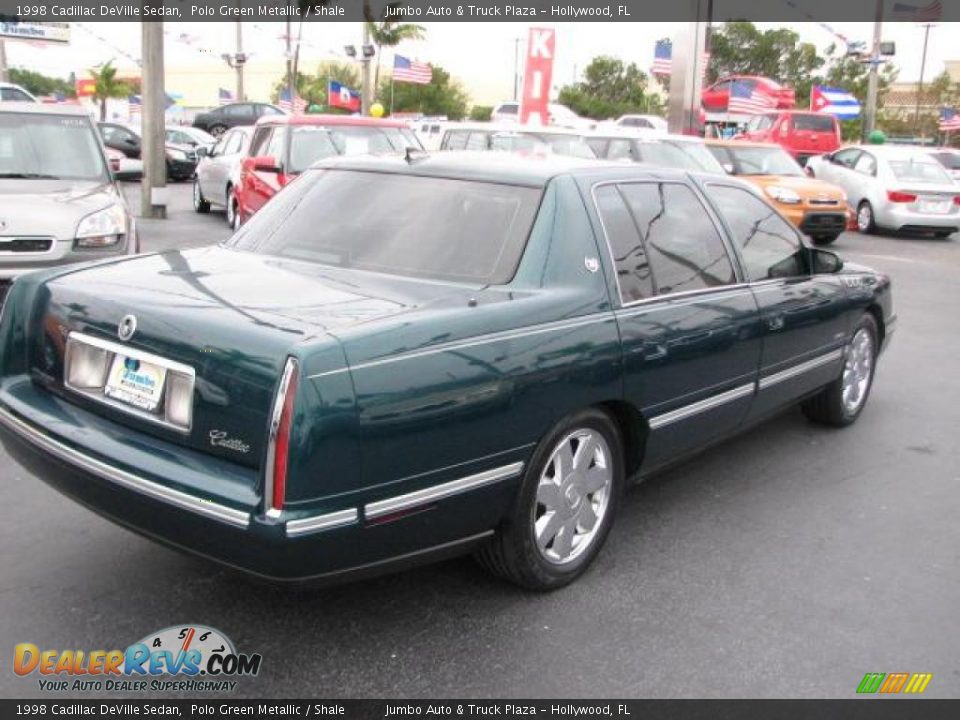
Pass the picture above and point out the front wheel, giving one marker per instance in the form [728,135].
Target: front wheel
[200,205]
[866,222]
[565,506]
[841,402]
[217,130]
[824,239]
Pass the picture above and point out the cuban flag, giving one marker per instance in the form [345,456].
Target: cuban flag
[340,96]
[834,101]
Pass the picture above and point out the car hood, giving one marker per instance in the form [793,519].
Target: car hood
[50,207]
[805,187]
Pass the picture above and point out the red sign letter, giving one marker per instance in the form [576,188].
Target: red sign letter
[537,75]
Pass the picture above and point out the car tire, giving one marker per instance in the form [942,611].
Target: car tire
[558,524]
[824,239]
[237,216]
[230,206]
[840,403]
[866,221]
[943,235]
[217,130]
[200,204]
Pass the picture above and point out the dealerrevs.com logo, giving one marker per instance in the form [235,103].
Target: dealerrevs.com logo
[178,658]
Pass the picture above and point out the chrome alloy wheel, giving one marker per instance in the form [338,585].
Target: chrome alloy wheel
[231,209]
[197,197]
[573,496]
[857,371]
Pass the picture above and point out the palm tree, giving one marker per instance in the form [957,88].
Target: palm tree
[389,33]
[106,85]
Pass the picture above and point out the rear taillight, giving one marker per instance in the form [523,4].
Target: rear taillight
[956,199]
[278,450]
[899,196]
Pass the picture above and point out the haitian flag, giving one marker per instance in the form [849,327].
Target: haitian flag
[834,101]
[340,96]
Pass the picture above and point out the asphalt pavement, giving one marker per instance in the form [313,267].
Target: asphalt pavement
[787,562]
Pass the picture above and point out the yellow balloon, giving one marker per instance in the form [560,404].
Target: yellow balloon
[376,110]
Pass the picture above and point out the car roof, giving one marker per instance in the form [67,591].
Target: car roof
[497,167]
[742,143]
[891,151]
[328,120]
[44,109]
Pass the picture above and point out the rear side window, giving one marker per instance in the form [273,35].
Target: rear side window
[456,140]
[436,228]
[629,256]
[10,94]
[813,123]
[769,246]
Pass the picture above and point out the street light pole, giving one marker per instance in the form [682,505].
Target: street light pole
[923,68]
[366,92]
[3,62]
[873,79]
[289,54]
[153,188]
[516,67]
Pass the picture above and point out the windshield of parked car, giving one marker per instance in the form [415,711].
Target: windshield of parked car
[761,122]
[919,169]
[568,145]
[49,146]
[672,155]
[310,143]
[703,159]
[763,161]
[434,228]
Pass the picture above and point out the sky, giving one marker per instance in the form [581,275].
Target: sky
[480,55]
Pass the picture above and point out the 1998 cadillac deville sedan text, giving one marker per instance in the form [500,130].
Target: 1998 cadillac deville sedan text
[407,358]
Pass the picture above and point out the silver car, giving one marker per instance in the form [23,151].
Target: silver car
[219,172]
[59,203]
[893,187]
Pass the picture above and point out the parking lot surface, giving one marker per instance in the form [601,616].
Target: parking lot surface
[787,562]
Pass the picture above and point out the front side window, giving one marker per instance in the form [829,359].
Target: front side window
[682,244]
[50,146]
[10,94]
[768,244]
[866,164]
[434,228]
[846,158]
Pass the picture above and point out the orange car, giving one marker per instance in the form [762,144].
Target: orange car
[817,208]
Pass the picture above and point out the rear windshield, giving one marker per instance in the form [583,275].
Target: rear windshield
[435,228]
[309,143]
[815,123]
[919,170]
[49,146]
[948,160]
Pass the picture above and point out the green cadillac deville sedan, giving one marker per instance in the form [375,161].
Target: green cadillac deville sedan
[401,359]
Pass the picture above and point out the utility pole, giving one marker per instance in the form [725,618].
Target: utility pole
[239,62]
[873,79]
[153,188]
[3,62]
[366,56]
[289,56]
[923,67]
[516,67]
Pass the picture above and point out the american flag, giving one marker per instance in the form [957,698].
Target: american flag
[411,71]
[135,105]
[949,119]
[297,105]
[224,97]
[662,57]
[917,13]
[747,98]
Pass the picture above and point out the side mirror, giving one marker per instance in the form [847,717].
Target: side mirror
[263,163]
[728,168]
[825,262]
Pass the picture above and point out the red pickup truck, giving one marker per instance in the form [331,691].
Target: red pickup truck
[803,134]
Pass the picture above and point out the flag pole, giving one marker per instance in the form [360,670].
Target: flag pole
[391,93]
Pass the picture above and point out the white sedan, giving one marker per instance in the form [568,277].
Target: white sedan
[893,187]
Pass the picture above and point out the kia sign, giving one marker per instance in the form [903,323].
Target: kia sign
[537,75]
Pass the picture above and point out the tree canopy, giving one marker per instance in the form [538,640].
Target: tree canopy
[443,96]
[40,84]
[609,89]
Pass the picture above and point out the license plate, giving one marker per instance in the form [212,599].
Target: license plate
[135,382]
[934,206]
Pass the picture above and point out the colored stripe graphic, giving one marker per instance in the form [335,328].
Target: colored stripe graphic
[894,682]
[870,683]
[918,682]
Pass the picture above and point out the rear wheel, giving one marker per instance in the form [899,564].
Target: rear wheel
[231,206]
[565,506]
[199,203]
[841,402]
[866,223]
